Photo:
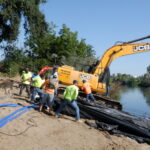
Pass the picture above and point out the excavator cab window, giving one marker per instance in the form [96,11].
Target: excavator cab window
[92,67]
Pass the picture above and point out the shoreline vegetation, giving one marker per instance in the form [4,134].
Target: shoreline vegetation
[120,80]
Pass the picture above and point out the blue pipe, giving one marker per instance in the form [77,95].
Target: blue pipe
[14,115]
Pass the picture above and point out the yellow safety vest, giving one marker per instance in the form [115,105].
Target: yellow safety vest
[37,81]
[26,76]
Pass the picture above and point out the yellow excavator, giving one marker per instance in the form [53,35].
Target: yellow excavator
[101,69]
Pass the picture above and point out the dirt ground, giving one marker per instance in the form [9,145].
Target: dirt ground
[39,131]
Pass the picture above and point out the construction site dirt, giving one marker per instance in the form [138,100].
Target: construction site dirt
[36,130]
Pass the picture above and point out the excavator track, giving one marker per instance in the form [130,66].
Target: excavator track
[99,98]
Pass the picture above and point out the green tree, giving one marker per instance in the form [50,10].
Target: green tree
[64,48]
[125,79]
[15,59]
[11,12]
[69,45]
[148,69]
[145,80]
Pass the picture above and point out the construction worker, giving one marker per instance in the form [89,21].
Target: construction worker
[37,81]
[55,73]
[69,98]
[25,79]
[48,95]
[55,81]
[86,87]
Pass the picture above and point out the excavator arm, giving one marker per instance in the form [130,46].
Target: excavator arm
[119,50]
[100,71]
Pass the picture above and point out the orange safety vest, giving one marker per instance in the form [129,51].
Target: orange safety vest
[46,88]
[86,88]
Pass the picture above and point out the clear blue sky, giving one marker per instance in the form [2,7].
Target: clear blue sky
[102,23]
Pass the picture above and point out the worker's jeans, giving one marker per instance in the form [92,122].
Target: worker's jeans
[108,90]
[27,86]
[90,96]
[71,103]
[35,91]
[47,99]
[56,91]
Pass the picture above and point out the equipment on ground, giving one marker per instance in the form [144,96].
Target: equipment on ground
[15,114]
[111,120]
[99,73]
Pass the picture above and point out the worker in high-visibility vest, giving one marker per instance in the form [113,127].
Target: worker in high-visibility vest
[86,87]
[70,97]
[37,81]
[25,79]
[48,95]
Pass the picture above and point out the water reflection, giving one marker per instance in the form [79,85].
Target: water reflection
[135,101]
[116,92]
[146,94]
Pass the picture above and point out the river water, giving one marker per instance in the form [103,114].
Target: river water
[135,101]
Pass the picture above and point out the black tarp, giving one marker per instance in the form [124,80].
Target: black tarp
[112,120]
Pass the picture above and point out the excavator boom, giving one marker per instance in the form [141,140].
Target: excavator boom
[119,50]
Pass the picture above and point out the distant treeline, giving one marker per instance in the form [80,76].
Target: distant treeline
[131,81]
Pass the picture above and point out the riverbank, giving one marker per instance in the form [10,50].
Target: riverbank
[39,131]
[48,132]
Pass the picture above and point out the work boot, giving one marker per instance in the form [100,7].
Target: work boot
[56,116]
[79,121]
